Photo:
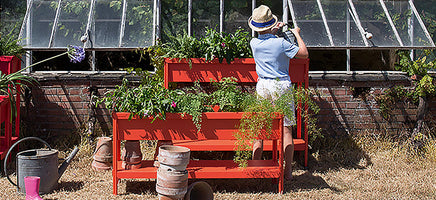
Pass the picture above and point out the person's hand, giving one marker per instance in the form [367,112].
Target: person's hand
[296,30]
[277,27]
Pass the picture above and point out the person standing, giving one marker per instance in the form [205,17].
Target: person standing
[271,55]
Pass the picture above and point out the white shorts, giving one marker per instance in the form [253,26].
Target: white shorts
[272,89]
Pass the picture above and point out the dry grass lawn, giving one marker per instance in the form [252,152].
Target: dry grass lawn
[352,169]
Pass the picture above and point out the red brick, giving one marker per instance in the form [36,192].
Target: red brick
[340,92]
[50,91]
[352,105]
[76,98]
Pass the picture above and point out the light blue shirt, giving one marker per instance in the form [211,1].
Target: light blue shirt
[272,55]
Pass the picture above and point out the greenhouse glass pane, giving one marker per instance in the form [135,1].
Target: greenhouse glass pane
[205,13]
[174,16]
[237,13]
[276,7]
[374,20]
[72,22]
[309,19]
[336,14]
[107,23]
[41,20]
[139,24]
[401,15]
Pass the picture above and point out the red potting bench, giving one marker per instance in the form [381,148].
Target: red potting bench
[216,126]
[8,65]
[180,71]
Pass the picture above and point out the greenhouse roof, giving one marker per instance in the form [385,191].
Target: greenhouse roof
[127,24]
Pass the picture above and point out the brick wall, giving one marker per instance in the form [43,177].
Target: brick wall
[59,107]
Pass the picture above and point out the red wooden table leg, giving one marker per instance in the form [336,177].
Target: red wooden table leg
[281,158]
[115,157]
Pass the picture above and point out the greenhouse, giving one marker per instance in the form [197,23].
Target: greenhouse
[125,25]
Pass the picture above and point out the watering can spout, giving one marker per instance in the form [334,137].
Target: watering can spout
[67,161]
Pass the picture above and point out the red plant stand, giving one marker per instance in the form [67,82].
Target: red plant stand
[244,69]
[216,127]
[8,65]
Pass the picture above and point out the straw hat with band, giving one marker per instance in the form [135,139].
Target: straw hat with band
[262,19]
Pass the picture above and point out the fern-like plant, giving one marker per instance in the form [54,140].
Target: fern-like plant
[10,46]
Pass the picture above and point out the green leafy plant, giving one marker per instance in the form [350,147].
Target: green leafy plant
[9,82]
[149,99]
[391,97]
[182,46]
[10,46]
[226,46]
[152,99]
[212,45]
[422,90]
[259,115]
[228,96]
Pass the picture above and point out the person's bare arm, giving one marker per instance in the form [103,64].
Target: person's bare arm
[303,52]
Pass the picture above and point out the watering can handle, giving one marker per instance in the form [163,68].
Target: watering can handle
[12,147]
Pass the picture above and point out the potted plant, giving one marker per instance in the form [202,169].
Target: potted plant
[11,78]
[217,55]
[10,63]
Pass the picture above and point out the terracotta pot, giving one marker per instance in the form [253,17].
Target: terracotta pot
[131,153]
[96,165]
[103,150]
[199,191]
[164,197]
[172,179]
[172,193]
[126,165]
[102,154]
[175,156]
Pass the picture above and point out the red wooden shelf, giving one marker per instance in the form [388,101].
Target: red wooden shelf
[8,65]
[210,169]
[228,145]
[5,117]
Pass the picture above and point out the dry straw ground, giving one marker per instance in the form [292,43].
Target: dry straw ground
[358,168]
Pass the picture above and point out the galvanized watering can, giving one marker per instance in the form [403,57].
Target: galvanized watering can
[38,162]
